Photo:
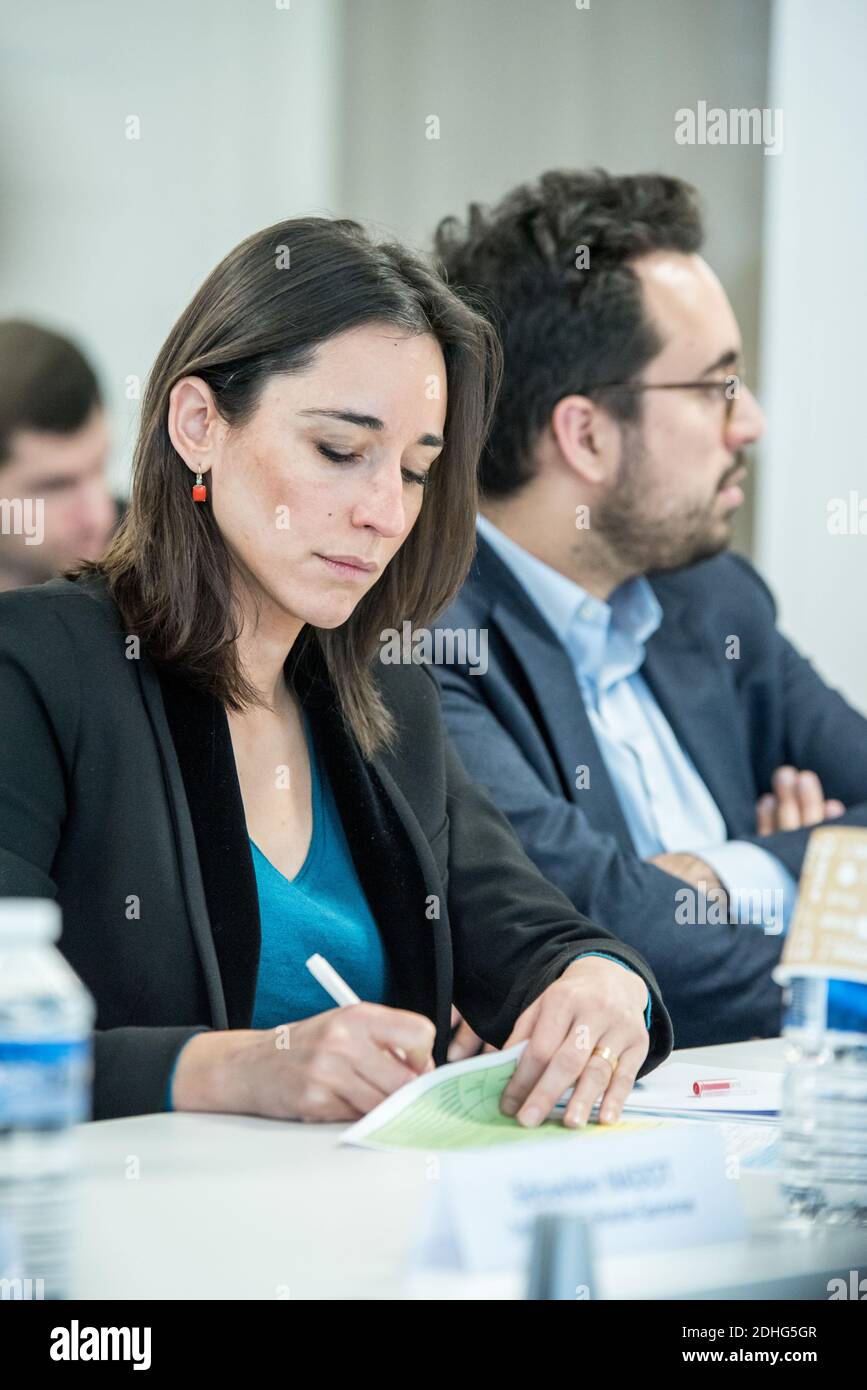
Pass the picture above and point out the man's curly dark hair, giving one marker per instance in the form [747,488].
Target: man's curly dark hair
[566,329]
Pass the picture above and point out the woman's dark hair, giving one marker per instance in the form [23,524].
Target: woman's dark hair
[550,266]
[264,310]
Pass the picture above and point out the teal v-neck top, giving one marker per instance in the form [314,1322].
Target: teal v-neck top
[322,909]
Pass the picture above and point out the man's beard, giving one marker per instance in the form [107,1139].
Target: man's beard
[642,540]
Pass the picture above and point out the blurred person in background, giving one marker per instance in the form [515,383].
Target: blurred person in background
[55,504]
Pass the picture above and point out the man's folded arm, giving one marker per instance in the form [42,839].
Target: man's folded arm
[705,971]
[823,734]
[760,889]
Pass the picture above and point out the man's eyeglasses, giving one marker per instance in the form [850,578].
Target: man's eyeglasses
[727,390]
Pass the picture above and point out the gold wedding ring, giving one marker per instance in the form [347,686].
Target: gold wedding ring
[607,1056]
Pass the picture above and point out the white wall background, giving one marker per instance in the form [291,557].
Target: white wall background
[106,238]
[520,86]
[814,365]
[250,113]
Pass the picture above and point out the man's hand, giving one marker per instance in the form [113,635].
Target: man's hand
[595,1006]
[465,1042]
[688,867]
[797,800]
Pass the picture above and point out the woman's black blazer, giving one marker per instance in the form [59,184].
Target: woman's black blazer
[119,797]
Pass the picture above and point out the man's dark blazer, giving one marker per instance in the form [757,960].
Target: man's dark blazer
[741,708]
[119,797]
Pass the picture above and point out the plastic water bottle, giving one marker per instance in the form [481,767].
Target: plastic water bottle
[46,1020]
[823,1139]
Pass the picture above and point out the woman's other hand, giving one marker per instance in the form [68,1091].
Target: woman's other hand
[595,1005]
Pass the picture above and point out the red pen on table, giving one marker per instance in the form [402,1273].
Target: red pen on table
[699,1088]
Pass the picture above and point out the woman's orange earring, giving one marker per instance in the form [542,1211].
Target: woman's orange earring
[200,491]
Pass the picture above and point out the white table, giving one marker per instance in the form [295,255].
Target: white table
[211,1206]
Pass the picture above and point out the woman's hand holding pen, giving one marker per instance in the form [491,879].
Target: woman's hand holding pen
[334,1066]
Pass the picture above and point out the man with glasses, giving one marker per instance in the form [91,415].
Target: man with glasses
[660,748]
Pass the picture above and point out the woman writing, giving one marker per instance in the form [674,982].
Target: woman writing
[205,763]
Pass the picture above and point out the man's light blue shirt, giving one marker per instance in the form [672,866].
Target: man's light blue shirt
[666,805]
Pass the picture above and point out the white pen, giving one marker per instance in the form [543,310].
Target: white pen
[339,990]
[331,982]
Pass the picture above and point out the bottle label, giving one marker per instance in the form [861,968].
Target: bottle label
[44,1083]
[819,1006]
[847,1007]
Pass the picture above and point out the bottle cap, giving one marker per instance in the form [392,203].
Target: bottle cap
[28,920]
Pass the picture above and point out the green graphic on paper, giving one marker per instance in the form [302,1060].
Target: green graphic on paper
[463,1112]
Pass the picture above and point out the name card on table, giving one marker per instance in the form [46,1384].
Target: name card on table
[665,1187]
[828,935]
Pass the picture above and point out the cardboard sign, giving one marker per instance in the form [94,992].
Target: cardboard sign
[828,935]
